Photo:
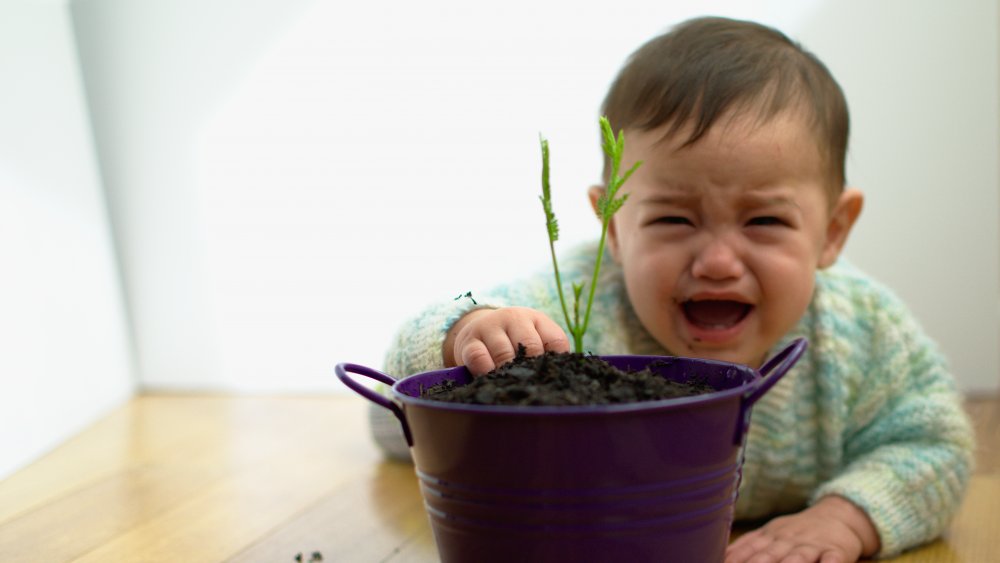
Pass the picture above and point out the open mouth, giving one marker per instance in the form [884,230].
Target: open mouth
[715,314]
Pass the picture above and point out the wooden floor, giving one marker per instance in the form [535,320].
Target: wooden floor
[194,478]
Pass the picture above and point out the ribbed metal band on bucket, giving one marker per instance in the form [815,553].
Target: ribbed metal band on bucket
[672,505]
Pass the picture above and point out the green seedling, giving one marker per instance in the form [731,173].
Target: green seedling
[607,206]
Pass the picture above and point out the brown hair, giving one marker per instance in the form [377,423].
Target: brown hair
[701,69]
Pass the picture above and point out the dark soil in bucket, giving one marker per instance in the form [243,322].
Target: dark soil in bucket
[559,379]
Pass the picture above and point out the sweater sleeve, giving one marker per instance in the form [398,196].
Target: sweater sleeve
[908,448]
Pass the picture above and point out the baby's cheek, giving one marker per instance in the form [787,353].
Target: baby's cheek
[792,301]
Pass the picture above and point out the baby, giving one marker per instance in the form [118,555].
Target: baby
[727,249]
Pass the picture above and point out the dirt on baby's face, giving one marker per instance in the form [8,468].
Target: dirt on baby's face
[562,379]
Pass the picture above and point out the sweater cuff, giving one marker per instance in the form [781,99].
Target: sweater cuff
[901,516]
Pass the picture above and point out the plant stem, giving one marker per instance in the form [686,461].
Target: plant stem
[593,283]
[552,226]
[607,206]
[562,299]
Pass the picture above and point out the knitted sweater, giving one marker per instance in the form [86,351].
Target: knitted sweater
[870,412]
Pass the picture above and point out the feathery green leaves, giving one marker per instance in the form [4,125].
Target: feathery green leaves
[614,147]
[607,206]
[550,218]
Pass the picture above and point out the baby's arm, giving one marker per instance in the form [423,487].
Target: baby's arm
[899,446]
[833,530]
[486,338]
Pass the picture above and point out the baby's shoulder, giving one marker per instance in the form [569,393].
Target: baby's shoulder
[867,344]
[862,314]
[845,289]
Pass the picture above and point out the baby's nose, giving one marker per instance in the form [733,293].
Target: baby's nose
[718,259]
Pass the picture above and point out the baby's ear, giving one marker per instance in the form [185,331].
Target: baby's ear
[595,193]
[845,212]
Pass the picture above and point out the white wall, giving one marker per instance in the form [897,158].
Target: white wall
[288,180]
[926,151]
[64,346]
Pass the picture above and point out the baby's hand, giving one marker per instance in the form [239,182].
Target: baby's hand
[831,531]
[486,338]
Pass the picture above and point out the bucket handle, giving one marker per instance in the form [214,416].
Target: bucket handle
[770,373]
[343,369]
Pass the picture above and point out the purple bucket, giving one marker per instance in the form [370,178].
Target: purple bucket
[647,481]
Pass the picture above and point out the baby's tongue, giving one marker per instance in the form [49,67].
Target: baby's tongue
[715,314]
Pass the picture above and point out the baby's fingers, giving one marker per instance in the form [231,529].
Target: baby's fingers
[552,336]
[476,357]
[758,547]
[491,349]
[536,332]
[492,338]
[525,334]
[832,556]
[746,546]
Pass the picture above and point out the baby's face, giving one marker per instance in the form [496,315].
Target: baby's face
[719,241]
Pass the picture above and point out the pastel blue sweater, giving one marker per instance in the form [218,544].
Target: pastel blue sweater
[870,412]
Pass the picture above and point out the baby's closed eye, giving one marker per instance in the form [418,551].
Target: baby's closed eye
[767,221]
[673,220]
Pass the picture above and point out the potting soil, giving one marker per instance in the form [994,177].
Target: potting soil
[558,379]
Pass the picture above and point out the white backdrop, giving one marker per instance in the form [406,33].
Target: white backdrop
[65,352]
[288,180]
